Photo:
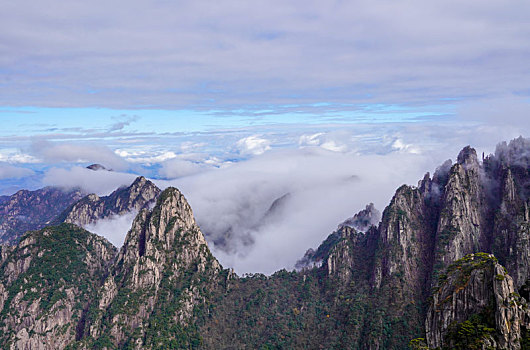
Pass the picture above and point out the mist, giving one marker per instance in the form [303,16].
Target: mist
[314,189]
[114,228]
[99,182]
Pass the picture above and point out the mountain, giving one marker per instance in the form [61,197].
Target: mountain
[140,194]
[445,268]
[364,219]
[476,306]
[46,282]
[32,210]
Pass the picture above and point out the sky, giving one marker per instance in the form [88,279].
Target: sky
[238,103]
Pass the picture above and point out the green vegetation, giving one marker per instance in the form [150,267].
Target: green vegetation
[57,259]
[471,334]
[418,344]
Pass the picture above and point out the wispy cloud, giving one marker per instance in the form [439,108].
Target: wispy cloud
[70,152]
[99,182]
[114,228]
[8,171]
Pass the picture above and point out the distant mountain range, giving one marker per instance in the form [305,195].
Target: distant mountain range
[446,267]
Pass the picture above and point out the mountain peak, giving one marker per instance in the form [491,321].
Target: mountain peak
[97,167]
[468,157]
[140,194]
[140,181]
[364,219]
[164,266]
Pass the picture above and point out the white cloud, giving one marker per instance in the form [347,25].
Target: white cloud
[175,168]
[15,156]
[325,188]
[99,182]
[333,146]
[148,158]
[335,141]
[400,146]
[55,152]
[8,171]
[114,228]
[310,140]
[253,145]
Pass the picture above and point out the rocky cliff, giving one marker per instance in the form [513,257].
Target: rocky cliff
[139,195]
[32,210]
[476,306]
[46,282]
[160,283]
[428,270]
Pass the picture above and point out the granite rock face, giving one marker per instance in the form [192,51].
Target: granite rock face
[475,304]
[32,210]
[364,219]
[65,286]
[139,195]
[46,282]
[428,269]
[159,278]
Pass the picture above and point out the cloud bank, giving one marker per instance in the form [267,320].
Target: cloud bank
[8,171]
[100,182]
[278,52]
[77,153]
[263,214]
[114,228]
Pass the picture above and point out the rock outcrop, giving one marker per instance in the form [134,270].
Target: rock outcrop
[46,282]
[476,306]
[139,195]
[163,274]
[32,210]
[364,219]
[428,270]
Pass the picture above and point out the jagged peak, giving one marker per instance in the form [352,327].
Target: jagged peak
[468,157]
[516,152]
[140,181]
[364,219]
[442,172]
[171,212]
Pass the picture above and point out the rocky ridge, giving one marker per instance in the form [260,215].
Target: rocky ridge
[139,195]
[476,306]
[32,210]
[411,276]
[162,271]
[45,283]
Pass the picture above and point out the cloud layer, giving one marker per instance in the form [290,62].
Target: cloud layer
[77,153]
[167,53]
[313,190]
[8,171]
[114,229]
[99,182]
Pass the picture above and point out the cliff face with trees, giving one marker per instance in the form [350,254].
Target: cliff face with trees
[446,267]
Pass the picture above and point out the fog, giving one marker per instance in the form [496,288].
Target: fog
[100,182]
[232,204]
[114,228]
[314,188]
